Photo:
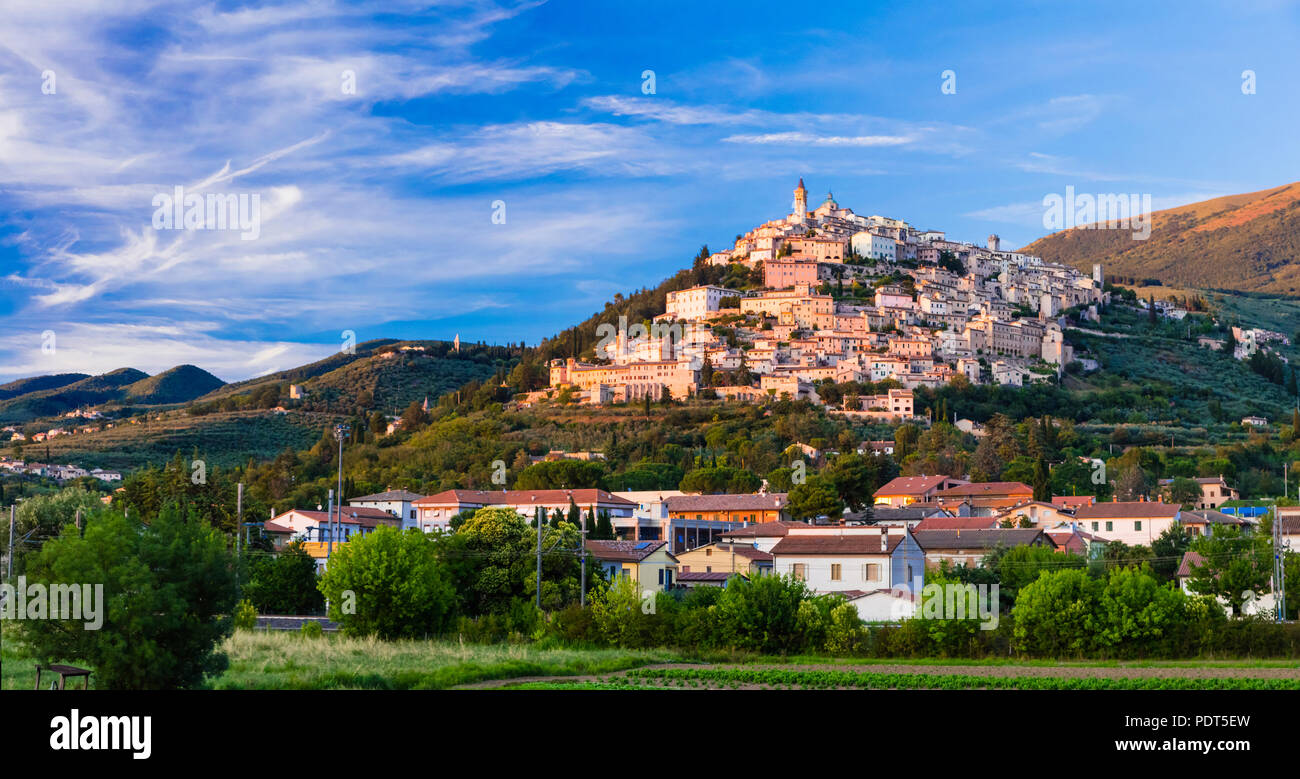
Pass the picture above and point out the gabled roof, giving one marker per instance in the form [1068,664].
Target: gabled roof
[1211,517]
[1190,560]
[865,544]
[956,523]
[911,485]
[1128,510]
[364,516]
[390,495]
[625,551]
[983,538]
[763,530]
[749,502]
[987,488]
[706,576]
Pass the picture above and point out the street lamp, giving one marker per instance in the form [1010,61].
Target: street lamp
[341,431]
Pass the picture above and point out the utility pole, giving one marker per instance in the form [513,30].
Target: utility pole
[340,432]
[582,542]
[329,528]
[539,562]
[10,574]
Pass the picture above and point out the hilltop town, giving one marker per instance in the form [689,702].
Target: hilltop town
[843,297]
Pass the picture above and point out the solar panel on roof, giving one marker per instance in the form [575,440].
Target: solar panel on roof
[642,545]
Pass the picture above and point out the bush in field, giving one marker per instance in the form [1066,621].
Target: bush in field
[245,616]
[286,583]
[389,583]
[1055,614]
[1134,610]
[168,592]
[762,614]
[620,616]
[845,633]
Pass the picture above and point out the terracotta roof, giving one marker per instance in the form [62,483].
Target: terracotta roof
[847,544]
[363,516]
[390,495]
[1129,509]
[624,551]
[762,530]
[911,485]
[987,488]
[1067,501]
[748,502]
[582,497]
[956,523]
[273,527]
[983,538]
[1190,560]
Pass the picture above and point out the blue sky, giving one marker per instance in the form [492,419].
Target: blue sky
[376,205]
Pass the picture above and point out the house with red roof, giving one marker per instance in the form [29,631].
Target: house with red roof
[1133,522]
[906,490]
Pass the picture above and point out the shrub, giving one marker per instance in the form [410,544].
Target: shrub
[245,616]
[311,629]
[1054,614]
[390,584]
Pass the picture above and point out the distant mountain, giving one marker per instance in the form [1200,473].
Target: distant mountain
[177,385]
[37,383]
[1247,243]
[48,396]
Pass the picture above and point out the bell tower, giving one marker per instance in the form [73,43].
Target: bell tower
[800,203]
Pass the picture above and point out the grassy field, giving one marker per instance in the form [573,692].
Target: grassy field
[289,661]
[283,660]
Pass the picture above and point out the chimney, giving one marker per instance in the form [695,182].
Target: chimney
[884,541]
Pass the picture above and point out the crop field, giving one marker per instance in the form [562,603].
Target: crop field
[922,677]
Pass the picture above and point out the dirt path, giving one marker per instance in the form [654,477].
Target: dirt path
[1075,671]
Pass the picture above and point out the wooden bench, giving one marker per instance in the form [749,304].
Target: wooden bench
[64,672]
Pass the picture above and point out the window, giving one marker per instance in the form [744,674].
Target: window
[708,552]
[871,572]
[1094,525]
[661,577]
[1137,525]
[1110,525]
[835,572]
[798,570]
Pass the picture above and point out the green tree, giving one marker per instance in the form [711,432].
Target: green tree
[390,584]
[285,583]
[1054,615]
[168,592]
[1184,491]
[816,497]
[1236,564]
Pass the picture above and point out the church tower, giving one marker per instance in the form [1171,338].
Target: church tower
[800,203]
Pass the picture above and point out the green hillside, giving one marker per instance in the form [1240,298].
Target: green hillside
[84,392]
[177,385]
[37,383]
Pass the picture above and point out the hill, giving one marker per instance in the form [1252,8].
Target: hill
[58,400]
[37,383]
[1248,242]
[176,385]
[51,396]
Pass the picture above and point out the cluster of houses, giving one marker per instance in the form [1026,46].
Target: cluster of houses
[59,473]
[877,559]
[917,308]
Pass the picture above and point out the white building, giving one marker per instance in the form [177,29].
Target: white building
[697,302]
[873,246]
